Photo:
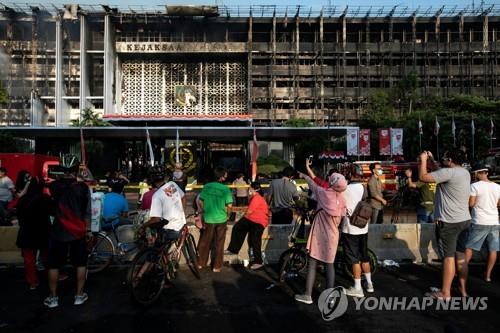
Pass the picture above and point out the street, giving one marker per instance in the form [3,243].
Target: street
[236,300]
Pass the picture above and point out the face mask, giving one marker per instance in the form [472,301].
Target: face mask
[380,172]
[177,174]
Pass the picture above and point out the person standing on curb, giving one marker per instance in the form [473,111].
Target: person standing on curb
[484,201]
[375,192]
[215,204]
[451,212]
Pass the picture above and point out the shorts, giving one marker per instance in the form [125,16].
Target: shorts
[58,253]
[479,233]
[453,237]
[355,248]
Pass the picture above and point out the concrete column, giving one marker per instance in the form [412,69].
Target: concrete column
[485,32]
[61,113]
[109,67]
[84,84]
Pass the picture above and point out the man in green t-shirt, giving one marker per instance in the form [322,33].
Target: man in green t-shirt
[216,200]
[426,192]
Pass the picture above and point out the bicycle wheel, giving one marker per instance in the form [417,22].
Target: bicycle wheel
[373,261]
[101,253]
[189,251]
[146,276]
[292,261]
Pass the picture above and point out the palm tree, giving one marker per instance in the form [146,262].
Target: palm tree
[89,118]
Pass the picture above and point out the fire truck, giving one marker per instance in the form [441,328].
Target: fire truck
[42,166]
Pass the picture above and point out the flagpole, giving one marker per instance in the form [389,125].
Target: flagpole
[420,140]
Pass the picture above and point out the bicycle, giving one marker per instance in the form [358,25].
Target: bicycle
[154,266]
[102,249]
[294,260]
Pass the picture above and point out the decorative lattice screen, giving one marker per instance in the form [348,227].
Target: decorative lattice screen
[153,88]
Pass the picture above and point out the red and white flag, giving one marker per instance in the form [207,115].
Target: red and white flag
[364,142]
[384,141]
[255,152]
[436,127]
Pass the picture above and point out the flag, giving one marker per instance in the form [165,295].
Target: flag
[177,146]
[453,128]
[255,151]
[82,146]
[397,141]
[352,141]
[492,127]
[150,147]
[420,128]
[384,141]
[364,142]
[472,127]
[436,127]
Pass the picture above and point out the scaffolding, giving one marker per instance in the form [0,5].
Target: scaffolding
[316,63]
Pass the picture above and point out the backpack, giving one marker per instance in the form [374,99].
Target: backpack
[363,212]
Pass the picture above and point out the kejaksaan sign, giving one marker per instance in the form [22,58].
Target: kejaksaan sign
[166,47]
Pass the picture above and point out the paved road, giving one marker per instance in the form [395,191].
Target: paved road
[236,300]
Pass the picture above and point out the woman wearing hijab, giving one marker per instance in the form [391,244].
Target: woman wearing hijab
[34,222]
[324,234]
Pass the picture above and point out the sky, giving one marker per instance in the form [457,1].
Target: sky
[315,3]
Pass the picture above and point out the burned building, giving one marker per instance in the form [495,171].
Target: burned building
[266,64]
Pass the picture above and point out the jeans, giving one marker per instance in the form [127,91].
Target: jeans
[424,216]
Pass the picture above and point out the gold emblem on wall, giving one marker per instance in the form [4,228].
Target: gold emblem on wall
[186,157]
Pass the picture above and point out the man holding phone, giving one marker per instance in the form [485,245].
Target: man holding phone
[451,212]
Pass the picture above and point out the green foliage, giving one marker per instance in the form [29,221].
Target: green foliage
[3,96]
[462,108]
[297,122]
[89,118]
[270,164]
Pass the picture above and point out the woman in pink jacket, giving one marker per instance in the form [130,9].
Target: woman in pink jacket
[324,234]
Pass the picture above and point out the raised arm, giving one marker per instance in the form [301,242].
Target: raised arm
[423,175]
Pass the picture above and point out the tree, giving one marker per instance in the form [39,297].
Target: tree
[3,96]
[297,122]
[89,118]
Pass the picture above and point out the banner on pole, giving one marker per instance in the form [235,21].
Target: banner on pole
[352,141]
[364,142]
[384,141]
[397,141]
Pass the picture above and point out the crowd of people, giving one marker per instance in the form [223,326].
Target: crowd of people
[56,223]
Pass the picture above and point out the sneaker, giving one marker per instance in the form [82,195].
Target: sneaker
[354,292]
[34,286]
[229,253]
[51,302]
[369,288]
[304,299]
[80,299]
[255,267]
[216,270]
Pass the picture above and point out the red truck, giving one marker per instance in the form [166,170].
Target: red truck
[41,166]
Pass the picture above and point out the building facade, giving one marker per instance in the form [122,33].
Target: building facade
[260,64]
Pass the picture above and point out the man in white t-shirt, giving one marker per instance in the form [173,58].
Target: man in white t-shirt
[168,206]
[355,243]
[484,200]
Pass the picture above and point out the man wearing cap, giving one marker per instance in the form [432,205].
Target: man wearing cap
[484,200]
